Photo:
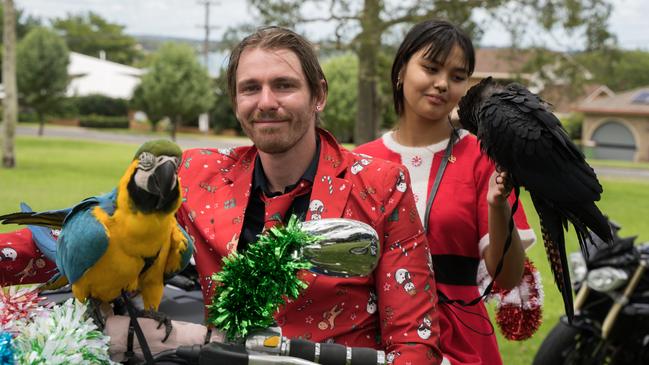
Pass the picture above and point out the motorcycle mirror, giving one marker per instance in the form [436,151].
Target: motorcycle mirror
[346,247]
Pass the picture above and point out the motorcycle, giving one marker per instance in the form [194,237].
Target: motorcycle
[611,323]
[345,248]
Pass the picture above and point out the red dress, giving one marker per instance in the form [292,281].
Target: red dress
[394,309]
[458,227]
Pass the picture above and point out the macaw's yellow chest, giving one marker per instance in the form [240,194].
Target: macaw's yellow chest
[133,238]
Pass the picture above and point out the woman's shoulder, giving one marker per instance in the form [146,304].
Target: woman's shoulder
[468,145]
[372,148]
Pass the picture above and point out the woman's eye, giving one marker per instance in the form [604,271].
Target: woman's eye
[431,69]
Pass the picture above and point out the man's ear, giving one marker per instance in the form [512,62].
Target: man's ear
[321,99]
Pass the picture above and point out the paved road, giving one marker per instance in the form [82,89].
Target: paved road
[193,141]
[622,172]
[185,141]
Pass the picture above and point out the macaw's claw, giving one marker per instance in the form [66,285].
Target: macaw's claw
[96,314]
[161,318]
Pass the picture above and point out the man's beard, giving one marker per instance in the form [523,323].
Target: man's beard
[271,139]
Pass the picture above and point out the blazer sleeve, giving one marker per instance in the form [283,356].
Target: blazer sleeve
[21,262]
[405,282]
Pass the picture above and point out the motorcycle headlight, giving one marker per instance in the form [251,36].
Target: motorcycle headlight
[577,267]
[606,279]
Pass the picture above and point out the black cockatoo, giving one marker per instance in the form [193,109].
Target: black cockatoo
[517,130]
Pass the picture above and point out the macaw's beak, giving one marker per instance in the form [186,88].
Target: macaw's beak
[163,181]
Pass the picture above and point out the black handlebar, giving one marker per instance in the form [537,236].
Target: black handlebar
[298,351]
[335,354]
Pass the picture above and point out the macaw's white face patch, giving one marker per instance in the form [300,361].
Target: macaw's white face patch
[145,174]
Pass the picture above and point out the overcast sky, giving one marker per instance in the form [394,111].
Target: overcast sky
[182,18]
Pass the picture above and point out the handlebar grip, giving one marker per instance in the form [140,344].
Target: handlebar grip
[190,354]
[303,349]
[222,353]
[335,354]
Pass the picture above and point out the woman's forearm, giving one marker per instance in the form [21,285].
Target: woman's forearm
[510,276]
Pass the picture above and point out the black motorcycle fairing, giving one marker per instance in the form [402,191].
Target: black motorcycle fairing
[604,252]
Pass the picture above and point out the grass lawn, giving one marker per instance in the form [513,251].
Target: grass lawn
[626,202]
[55,173]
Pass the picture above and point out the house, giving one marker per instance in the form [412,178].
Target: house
[91,75]
[503,64]
[616,126]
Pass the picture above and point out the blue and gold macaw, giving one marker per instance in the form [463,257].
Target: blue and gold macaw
[126,240]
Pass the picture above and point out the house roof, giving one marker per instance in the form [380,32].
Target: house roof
[92,75]
[501,63]
[632,102]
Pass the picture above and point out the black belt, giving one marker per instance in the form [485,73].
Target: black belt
[455,270]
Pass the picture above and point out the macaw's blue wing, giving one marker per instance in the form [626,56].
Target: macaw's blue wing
[50,218]
[83,239]
[42,236]
[186,256]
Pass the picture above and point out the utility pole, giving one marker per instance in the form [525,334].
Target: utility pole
[204,119]
[10,100]
[207,27]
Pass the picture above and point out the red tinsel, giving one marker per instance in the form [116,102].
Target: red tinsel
[17,305]
[519,310]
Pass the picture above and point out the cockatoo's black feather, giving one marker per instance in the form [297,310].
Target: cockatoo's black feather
[517,130]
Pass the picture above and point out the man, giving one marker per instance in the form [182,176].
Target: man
[278,90]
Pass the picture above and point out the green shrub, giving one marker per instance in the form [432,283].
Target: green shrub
[573,123]
[339,115]
[103,121]
[27,116]
[101,105]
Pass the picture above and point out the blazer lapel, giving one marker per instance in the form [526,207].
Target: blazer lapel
[330,189]
[233,197]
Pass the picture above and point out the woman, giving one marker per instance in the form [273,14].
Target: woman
[468,218]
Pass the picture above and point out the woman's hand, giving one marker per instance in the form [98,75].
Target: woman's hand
[499,188]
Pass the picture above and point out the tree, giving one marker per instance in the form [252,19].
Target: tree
[42,71]
[138,102]
[24,23]
[340,113]
[620,70]
[362,25]
[91,35]
[9,102]
[221,113]
[176,86]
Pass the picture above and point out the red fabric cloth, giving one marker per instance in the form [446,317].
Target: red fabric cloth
[21,262]
[458,225]
[393,309]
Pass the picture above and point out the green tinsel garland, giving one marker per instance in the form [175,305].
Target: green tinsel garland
[251,286]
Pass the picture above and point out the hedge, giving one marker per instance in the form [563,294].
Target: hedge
[100,105]
[102,121]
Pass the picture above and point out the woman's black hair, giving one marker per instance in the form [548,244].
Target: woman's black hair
[438,38]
